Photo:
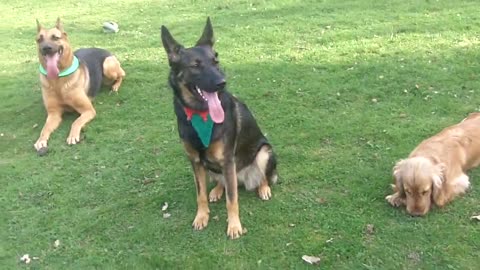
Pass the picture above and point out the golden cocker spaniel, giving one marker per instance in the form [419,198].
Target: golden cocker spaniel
[435,172]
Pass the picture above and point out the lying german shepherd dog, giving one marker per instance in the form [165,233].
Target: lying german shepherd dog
[220,135]
[70,80]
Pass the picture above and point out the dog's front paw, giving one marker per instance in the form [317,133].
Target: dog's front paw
[234,229]
[41,147]
[264,192]
[201,221]
[73,138]
[395,200]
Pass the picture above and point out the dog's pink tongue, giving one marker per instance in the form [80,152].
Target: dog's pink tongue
[52,66]
[214,107]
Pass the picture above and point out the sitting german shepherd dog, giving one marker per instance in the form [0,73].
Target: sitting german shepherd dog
[219,133]
[70,79]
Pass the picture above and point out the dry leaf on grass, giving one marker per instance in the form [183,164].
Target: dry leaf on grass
[475,217]
[311,259]
[165,206]
[321,200]
[26,259]
[414,257]
[369,229]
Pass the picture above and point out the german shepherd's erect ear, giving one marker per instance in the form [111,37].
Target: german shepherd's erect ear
[207,35]
[172,47]
[59,25]
[39,26]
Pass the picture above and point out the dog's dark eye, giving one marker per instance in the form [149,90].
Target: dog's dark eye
[40,38]
[55,38]
[425,192]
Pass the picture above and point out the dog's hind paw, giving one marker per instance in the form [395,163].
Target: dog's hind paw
[216,193]
[115,88]
[264,193]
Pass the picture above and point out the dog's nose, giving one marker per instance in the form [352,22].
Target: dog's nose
[221,84]
[46,49]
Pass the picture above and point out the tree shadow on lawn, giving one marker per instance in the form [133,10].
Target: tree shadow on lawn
[370,19]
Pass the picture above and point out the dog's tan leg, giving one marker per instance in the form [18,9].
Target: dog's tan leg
[234,229]
[216,193]
[395,199]
[113,71]
[201,219]
[264,191]
[54,118]
[200,177]
[82,104]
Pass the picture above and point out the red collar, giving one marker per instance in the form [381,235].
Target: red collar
[189,112]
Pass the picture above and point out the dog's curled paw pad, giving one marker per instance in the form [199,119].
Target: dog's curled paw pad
[265,193]
[200,222]
[234,230]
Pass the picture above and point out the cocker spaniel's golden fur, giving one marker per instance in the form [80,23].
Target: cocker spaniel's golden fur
[435,172]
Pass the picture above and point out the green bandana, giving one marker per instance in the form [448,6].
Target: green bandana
[203,128]
[65,72]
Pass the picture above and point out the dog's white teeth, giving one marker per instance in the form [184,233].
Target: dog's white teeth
[199,91]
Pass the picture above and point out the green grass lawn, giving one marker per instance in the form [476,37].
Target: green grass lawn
[343,89]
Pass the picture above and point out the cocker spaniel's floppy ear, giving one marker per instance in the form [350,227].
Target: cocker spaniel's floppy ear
[438,178]
[397,174]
